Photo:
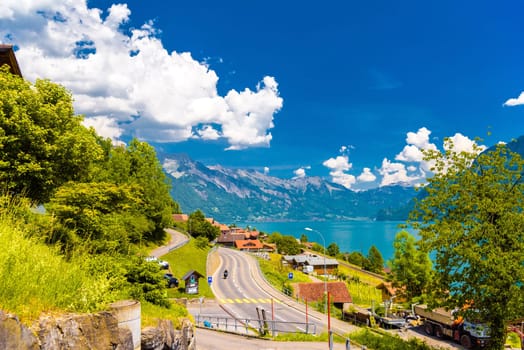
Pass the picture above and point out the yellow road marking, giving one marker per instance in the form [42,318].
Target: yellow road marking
[239,301]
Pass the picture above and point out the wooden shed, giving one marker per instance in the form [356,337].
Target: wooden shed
[191,281]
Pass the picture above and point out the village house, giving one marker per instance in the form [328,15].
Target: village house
[316,263]
[253,245]
[7,56]
[338,292]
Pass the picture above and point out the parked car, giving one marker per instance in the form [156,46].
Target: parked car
[172,281]
[163,264]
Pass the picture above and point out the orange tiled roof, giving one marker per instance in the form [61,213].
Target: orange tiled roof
[248,244]
[180,217]
[315,291]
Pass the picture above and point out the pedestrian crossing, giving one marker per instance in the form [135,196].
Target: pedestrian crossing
[249,301]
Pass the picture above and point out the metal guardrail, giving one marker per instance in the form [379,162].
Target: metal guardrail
[178,245]
[254,326]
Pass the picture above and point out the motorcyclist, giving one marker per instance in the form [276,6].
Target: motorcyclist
[225,274]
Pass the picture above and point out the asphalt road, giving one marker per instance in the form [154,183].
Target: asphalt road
[176,239]
[241,294]
[212,340]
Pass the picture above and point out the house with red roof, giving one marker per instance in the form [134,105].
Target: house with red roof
[338,292]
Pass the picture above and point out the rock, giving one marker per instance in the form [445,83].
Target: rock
[89,331]
[14,335]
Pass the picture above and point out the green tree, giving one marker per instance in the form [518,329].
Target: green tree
[303,238]
[147,171]
[288,245]
[285,244]
[472,220]
[333,249]
[356,258]
[42,143]
[374,261]
[106,216]
[137,164]
[410,267]
[200,227]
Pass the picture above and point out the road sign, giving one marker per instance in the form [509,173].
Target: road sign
[209,279]
[290,275]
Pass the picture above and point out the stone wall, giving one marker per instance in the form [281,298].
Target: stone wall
[98,331]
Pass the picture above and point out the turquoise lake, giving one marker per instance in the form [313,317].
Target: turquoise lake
[354,235]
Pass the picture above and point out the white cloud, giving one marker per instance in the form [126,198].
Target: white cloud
[462,143]
[106,127]
[416,142]
[396,173]
[132,79]
[511,102]
[366,176]
[207,132]
[338,167]
[300,173]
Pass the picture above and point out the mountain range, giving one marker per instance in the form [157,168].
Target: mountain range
[236,195]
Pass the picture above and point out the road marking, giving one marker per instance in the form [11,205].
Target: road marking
[249,301]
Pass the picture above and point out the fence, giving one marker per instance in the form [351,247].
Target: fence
[254,326]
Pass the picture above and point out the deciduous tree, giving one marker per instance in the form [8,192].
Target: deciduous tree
[42,142]
[472,220]
[333,249]
[375,261]
[410,267]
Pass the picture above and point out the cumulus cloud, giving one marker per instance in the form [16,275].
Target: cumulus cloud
[338,167]
[511,102]
[461,143]
[300,173]
[366,176]
[411,168]
[105,127]
[397,173]
[126,81]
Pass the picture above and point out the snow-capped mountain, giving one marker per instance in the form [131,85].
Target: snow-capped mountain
[233,195]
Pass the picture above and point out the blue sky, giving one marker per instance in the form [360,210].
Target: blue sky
[347,90]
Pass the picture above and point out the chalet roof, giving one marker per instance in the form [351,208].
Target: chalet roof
[248,244]
[229,237]
[192,273]
[7,56]
[319,260]
[315,291]
[313,260]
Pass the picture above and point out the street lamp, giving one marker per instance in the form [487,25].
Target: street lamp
[325,272]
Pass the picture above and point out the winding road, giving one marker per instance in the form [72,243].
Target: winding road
[246,289]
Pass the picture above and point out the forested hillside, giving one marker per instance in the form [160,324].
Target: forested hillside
[94,205]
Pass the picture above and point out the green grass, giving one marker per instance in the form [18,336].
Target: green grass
[362,276]
[296,337]
[277,274]
[35,278]
[364,294]
[385,341]
[150,314]
[186,258]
